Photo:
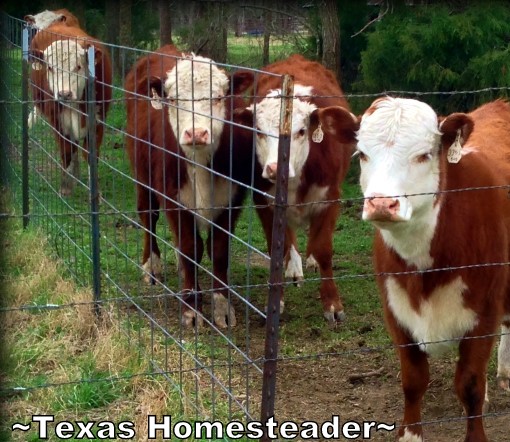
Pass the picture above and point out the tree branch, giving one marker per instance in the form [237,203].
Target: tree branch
[379,17]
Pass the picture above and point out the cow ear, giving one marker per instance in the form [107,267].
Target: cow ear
[154,87]
[30,19]
[241,81]
[336,121]
[62,19]
[243,116]
[36,57]
[455,126]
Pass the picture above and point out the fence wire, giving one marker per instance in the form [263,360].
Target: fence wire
[322,372]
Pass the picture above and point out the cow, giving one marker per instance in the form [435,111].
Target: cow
[59,56]
[43,20]
[189,163]
[436,190]
[317,166]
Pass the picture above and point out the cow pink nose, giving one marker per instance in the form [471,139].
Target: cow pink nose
[199,135]
[270,171]
[65,95]
[381,208]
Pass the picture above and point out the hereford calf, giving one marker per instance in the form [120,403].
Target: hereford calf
[439,253]
[59,88]
[188,162]
[317,166]
[43,20]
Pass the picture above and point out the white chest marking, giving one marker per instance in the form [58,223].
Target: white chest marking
[70,123]
[206,194]
[441,317]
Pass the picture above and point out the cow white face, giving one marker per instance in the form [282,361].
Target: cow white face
[196,88]
[398,145]
[267,116]
[44,19]
[66,69]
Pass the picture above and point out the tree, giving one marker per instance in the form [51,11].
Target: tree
[165,24]
[328,14]
[442,49]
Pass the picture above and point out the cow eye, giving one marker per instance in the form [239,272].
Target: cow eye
[217,100]
[301,132]
[77,68]
[423,158]
[50,68]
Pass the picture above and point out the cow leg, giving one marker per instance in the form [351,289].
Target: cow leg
[415,379]
[191,249]
[218,248]
[70,165]
[470,382]
[293,263]
[148,210]
[504,355]
[320,246]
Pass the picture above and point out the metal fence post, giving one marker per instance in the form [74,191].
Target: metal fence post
[277,256]
[24,129]
[93,178]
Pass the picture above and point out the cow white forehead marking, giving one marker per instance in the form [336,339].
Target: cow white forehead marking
[64,54]
[268,109]
[207,79]
[44,19]
[399,122]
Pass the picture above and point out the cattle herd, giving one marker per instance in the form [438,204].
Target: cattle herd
[439,253]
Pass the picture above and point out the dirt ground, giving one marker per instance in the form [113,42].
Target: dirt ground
[316,390]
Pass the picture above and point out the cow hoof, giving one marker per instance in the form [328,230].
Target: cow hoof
[190,318]
[504,383]
[311,263]
[152,269]
[298,281]
[334,318]
[223,313]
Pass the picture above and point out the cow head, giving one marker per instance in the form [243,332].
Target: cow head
[44,19]
[195,91]
[265,115]
[66,68]
[399,147]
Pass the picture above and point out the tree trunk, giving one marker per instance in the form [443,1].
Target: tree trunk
[214,44]
[124,62]
[328,14]
[165,25]
[267,34]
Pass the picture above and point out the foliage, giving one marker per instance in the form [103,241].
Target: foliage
[438,49]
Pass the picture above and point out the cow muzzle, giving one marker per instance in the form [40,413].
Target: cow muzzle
[271,170]
[378,207]
[65,95]
[196,137]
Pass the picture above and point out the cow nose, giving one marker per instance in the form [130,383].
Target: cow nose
[198,135]
[378,207]
[65,95]
[270,171]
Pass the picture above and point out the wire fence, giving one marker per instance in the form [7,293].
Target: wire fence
[290,365]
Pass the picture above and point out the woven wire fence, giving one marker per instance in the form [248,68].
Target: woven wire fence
[97,233]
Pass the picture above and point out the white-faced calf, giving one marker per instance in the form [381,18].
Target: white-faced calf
[439,250]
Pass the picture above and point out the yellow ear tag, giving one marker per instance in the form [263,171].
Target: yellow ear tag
[318,134]
[156,100]
[455,150]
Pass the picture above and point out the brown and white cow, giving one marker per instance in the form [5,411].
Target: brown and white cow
[59,81]
[317,166]
[439,252]
[43,20]
[187,162]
